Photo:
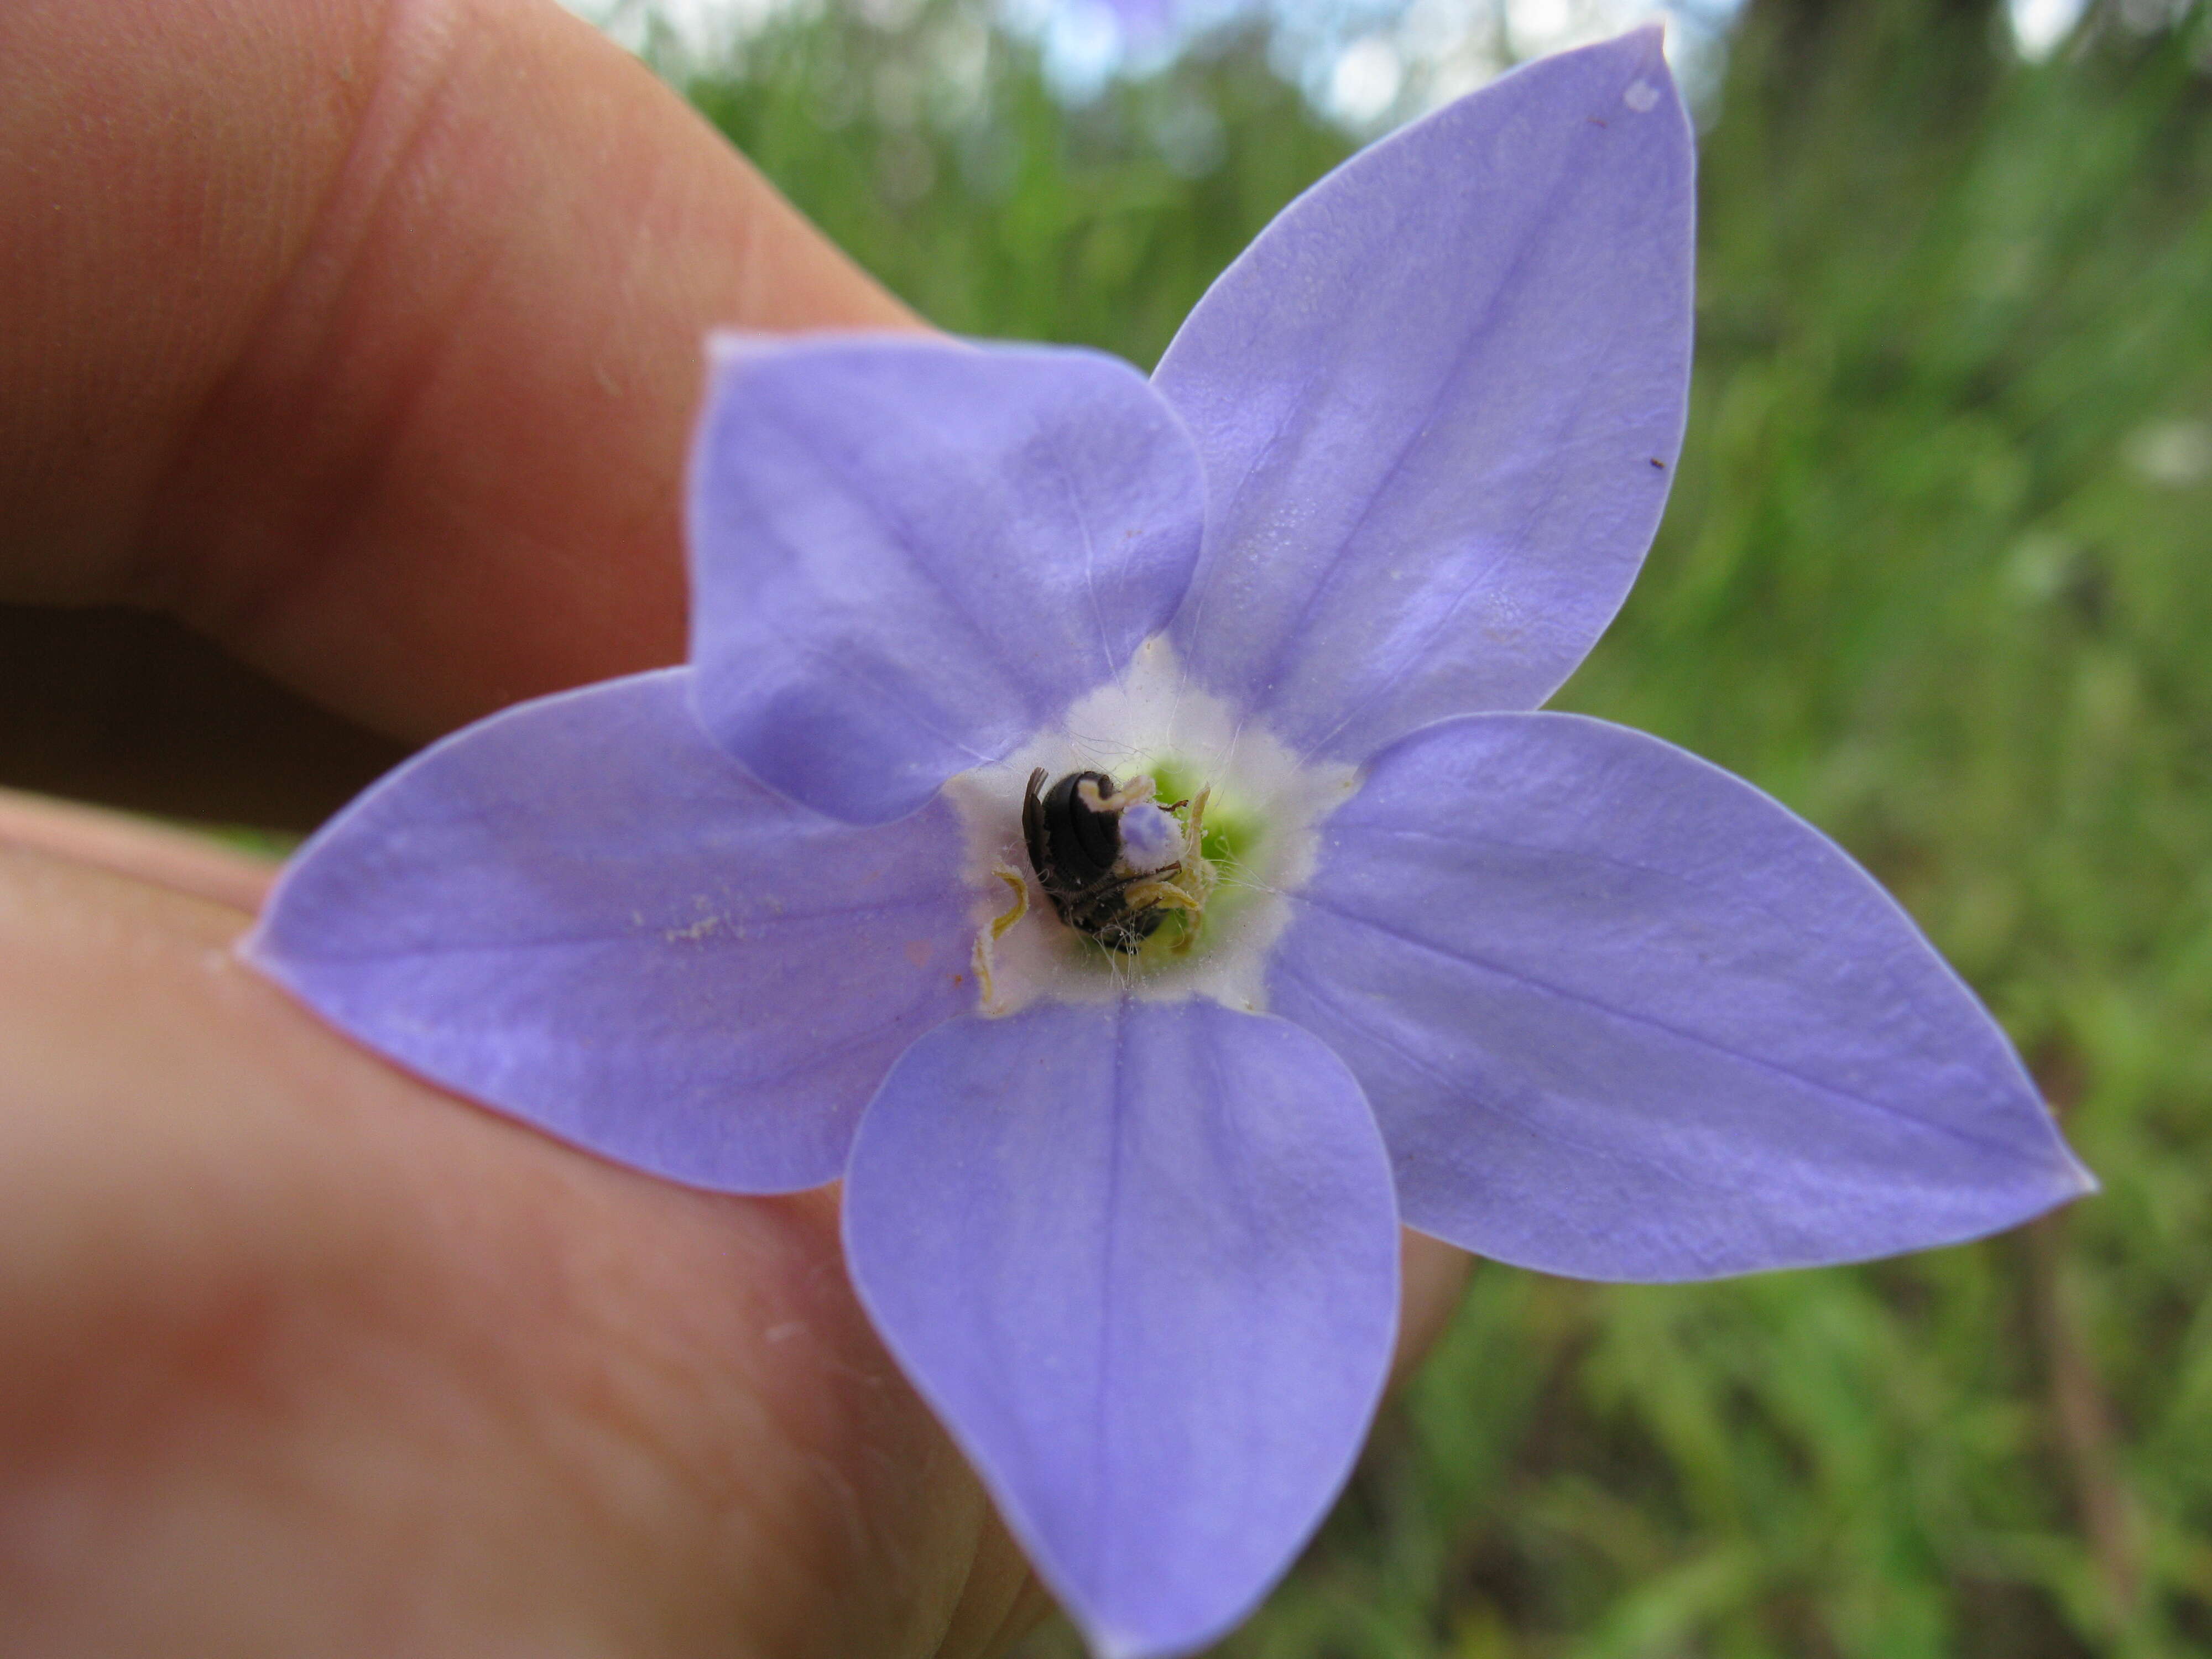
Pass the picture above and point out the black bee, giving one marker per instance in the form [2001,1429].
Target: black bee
[1076,852]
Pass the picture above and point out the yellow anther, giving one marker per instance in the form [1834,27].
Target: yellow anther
[991,931]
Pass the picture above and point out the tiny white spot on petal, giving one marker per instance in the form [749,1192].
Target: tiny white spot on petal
[1641,96]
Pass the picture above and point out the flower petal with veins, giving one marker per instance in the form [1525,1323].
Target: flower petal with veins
[1623,1017]
[1439,401]
[907,554]
[583,913]
[1142,1258]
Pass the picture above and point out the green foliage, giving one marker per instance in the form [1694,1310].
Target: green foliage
[1938,572]
[935,153]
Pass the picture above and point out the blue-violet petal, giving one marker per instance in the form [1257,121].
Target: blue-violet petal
[1142,1258]
[583,913]
[1439,401]
[1623,1017]
[909,555]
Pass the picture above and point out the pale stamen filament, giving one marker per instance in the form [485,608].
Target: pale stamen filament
[992,931]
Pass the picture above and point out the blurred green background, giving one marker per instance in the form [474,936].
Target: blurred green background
[1937,573]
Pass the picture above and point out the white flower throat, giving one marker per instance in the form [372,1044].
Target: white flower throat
[1148,847]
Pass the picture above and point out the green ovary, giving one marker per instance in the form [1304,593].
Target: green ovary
[1231,836]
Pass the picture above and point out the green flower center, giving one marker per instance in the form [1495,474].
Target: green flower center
[1231,836]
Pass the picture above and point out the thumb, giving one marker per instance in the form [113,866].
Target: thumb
[304,1356]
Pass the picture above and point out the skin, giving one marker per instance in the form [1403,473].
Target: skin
[364,338]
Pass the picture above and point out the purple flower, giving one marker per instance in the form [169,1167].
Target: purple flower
[1222,680]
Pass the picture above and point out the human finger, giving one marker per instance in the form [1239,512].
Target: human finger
[365,335]
[149,853]
[279,1317]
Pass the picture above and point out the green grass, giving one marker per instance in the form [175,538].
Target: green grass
[1917,580]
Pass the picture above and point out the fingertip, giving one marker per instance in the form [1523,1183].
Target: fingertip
[175,859]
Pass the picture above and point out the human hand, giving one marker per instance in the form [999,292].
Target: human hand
[365,339]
